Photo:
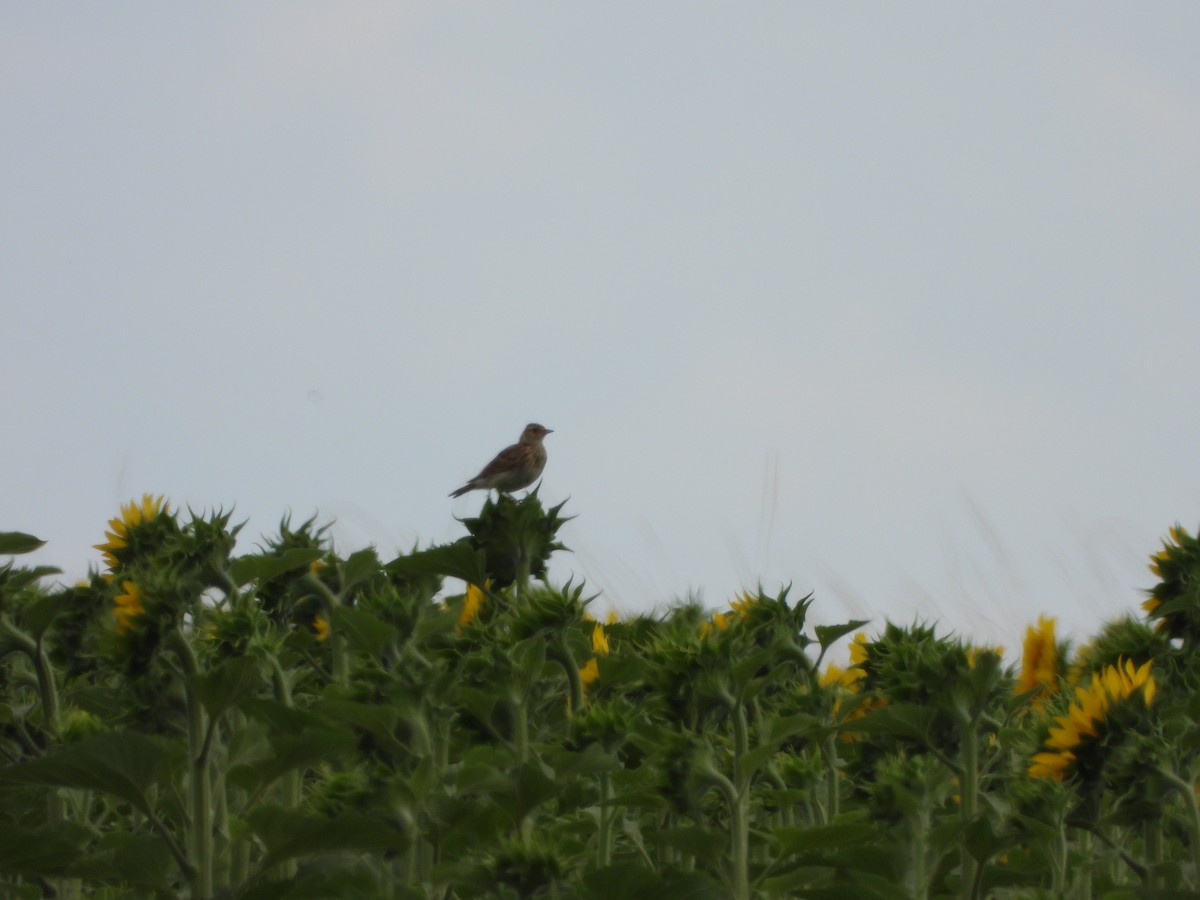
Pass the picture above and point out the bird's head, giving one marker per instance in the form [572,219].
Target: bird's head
[534,433]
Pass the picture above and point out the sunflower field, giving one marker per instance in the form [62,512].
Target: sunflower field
[292,722]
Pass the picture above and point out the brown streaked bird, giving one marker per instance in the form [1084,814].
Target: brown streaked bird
[514,467]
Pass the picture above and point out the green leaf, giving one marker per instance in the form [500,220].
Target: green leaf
[363,630]
[1040,831]
[903,720]
[591,760]
[703,843]
[534,787]
[982,841]
[123,763]
[861,886]
[14,579]
[293,751]
[132,858]
[40,613]
[632,881]
[752,760]
[480,777]
[289,834]
[380,721]
[797,839]
[280,718]
[39,852]
[14,542]
[335,883]
[827,635]
[358,567]
[752,666]
[806,724]
[265,568]
[227,683]
[627,881]
[457,560]
[690,886]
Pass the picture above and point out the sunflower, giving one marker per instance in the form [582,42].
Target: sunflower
[128,606]
[123,531]
[718,622]
[589,672]
[743,605]
[1039,662]
[472,604]
[1175,601]
[849,680]
[321,628]
[599,640]
[1087,719]
[858,650]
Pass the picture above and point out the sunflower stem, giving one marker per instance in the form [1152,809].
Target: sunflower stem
[575,697]
[969,793]
[198,760]
[918,852]
[337,644]
[739,819]
[604,850]
[829,752]
[1192,819]
[289,784]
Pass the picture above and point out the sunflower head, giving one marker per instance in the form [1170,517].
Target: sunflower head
[127,606]
[1102,714]
[717,623]
[743,605]
[1118,640]
[1039,662]
[846,685]
[599,640]
[589,673]
[472,605]
[1174,603]
[142,527]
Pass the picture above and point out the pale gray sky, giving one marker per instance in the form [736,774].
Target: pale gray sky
[897,302]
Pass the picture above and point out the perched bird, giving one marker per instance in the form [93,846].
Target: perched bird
[514,467]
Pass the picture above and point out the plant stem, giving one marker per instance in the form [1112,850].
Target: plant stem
[1152,851]
[571,667]
[45,675]
[739,825]
[739,822]
[337,644]
[829,752]
[198,757]
[919,827]
[522,572]
[289,784]
[604,850]
[1083,881]
[969,793]
[49,691]
[1192,820]
[1058,861]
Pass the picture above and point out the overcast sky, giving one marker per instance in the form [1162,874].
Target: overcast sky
[894,302]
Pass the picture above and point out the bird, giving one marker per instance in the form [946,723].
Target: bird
[514,467]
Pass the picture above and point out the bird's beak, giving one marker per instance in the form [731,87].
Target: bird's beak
[549,431]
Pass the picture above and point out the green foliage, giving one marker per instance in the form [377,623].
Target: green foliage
[14,542]
[516,538]
[293,722]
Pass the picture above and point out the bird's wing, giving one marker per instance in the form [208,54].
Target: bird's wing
[508,458]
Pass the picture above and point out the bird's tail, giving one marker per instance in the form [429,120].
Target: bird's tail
[462,490]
